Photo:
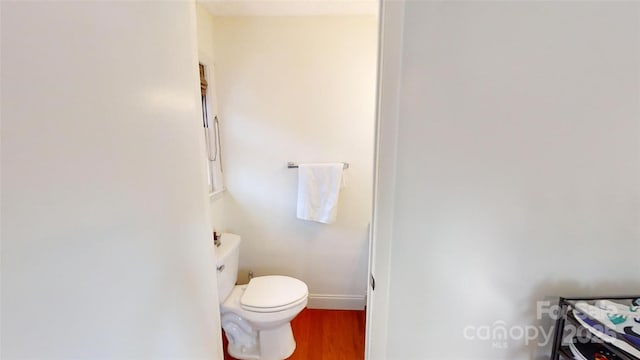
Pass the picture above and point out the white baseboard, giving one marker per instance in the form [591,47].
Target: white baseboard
[336,302]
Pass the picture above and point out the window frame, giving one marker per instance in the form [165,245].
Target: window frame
[212,132]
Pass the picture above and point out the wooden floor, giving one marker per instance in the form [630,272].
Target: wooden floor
[326,335]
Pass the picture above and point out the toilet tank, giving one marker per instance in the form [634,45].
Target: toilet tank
[227,257]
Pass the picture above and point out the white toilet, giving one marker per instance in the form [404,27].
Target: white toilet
[256,317]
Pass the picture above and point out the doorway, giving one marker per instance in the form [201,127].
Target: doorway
[295,88]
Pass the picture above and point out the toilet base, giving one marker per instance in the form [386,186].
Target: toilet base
[273,344]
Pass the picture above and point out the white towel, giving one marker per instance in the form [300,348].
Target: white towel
[318,191]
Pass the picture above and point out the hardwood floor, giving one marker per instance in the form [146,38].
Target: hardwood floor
[326,335]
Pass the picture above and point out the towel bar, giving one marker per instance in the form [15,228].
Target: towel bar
[292,165]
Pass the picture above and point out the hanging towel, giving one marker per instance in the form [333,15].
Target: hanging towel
[318,191]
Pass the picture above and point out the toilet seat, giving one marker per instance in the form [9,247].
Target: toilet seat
[273,293]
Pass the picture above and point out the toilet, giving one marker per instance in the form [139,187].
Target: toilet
[256,317]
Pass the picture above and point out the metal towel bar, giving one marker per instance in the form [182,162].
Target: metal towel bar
[292,165]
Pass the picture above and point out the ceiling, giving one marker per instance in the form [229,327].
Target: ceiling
[289,7]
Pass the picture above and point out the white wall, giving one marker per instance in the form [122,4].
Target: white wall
[106,252]
[204,22]
[206,56]
[298,89]
[518,169]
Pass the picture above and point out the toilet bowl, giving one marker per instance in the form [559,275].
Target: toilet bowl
[256,317]
[262,331]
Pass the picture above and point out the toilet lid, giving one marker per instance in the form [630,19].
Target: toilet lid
[273,291]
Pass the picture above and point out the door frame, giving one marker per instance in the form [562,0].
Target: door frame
[390,31]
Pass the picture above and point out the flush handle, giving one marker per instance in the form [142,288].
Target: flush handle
[220,268]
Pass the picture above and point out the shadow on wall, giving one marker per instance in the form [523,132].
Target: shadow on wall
[539,313]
